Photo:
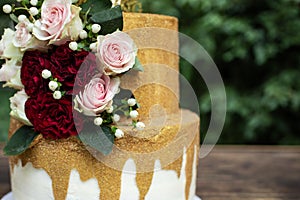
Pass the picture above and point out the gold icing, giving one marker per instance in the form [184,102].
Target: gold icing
[156,38]
[168,129]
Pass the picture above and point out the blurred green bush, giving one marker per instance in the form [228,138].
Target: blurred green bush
[256,46]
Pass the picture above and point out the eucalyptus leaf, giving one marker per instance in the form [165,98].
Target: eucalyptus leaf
[110,20]
[20,141]
[138,66]
[100,138]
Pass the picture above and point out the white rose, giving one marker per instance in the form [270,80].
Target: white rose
[7,48]
[17,105]
[15,81]
[10,72]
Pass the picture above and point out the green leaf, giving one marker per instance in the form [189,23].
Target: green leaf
[138,66]
[95,6]
[110,20]
[20,141]
[99,138]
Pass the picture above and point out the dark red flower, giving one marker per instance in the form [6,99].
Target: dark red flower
[50,117]
[34,62]
[63,64]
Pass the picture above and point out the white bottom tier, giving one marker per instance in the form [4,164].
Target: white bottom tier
[9,196]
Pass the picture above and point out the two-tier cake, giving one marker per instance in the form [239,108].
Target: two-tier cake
[156,159]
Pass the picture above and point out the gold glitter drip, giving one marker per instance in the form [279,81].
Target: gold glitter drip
[143,181]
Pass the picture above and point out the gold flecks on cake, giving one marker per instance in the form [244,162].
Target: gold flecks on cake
[156,38]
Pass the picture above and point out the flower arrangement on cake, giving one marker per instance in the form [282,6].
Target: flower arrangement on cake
[65,59]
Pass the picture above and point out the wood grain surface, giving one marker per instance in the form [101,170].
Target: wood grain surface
[234,173]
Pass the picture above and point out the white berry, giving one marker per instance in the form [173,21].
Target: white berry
[93,47]
[22,18]
[140,126]
[133,114]
[33,11]
[98,121]
[119,133]
[131,102]
[57,95]
[116,117]
[73,46]
[7,8]
[46,74]
[110,109]
[53,85]
[34,2]
[83,34]
[96,28]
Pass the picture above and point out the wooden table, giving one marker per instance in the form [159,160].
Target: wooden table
[234,173]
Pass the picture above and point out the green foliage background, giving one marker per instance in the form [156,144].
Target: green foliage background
[256,45]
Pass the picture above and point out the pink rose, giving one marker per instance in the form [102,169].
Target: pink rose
[55,15]
[116,52]
[97,95]
[22,35]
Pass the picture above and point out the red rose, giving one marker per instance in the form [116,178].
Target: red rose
[50,117]
[63,64]
[34,62]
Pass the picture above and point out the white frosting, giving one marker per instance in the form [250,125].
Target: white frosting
[129,189]
[29,183]
[79,190]
[166,184]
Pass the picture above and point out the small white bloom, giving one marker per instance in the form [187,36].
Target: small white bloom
[53,85]
[131,102]
[116,117]
[98,121]
[46,74]
[140,126]
[57,95]
[22,18]
[119,133]
[96,28]
[33,11]
[83,34]
[110,109]
[34,2]
[133,114]
[93,47]
[7,8]
[73,46]
[19,0]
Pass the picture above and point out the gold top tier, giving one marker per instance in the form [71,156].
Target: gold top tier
[157,88]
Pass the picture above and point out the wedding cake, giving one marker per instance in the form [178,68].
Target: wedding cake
[86,126]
